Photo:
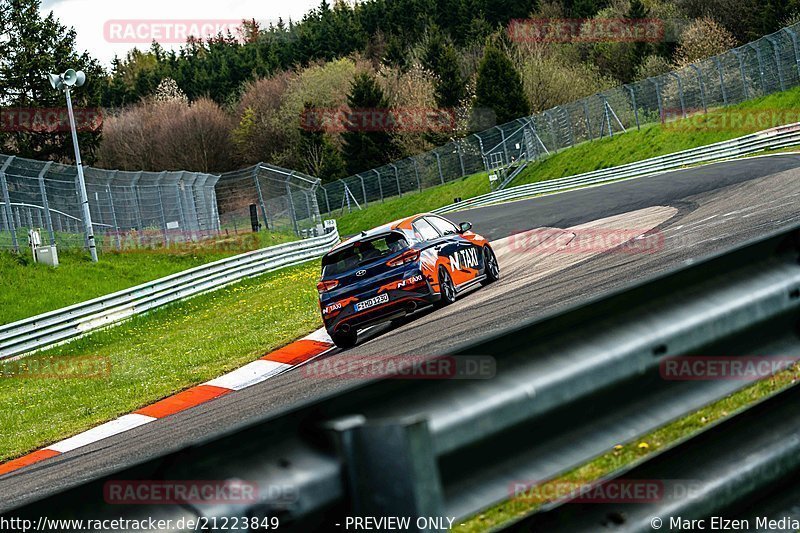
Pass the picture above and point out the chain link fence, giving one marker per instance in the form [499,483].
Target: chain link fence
[275,198]
[150,209]
[765,66]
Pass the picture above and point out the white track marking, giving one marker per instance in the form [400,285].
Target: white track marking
[104,431]
[249,375]
[319,336]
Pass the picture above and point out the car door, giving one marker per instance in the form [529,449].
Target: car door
[465,259]
[429,241]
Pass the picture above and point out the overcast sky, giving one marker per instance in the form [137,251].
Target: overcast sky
[99,23]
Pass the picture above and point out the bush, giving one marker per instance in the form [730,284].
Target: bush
[169,135]
[703,38]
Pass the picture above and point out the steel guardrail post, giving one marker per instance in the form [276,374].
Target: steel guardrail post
[397,178]
[46,204]
[256,172]
[701,82]
[777,51]
[633,104]
[161,209]
[738,53]
[380,186]
[12,228]
[718,63]
[114,216]
[793,36]
[401,450]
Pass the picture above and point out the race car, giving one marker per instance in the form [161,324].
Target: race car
[393,270]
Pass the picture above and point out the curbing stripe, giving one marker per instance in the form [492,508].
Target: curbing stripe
[183,401]
[251,374]
[27,460]
[103,431]
[298,352]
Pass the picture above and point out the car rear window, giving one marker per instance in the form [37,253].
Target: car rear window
[363,252]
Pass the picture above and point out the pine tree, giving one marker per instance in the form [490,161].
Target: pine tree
[367,147]
[499,87]
[441,58]
[31,46]
[640,49]
[450,87]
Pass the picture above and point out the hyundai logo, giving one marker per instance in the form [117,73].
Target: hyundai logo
[361,273]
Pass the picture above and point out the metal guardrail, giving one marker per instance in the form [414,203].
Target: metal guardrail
[42,331]
[744,468]
[773,138]
[567,388]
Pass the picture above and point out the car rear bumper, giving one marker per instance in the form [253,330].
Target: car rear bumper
[400,303]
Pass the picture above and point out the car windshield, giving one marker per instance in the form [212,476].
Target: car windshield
[363,252]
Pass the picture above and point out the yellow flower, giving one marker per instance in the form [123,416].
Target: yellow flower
[644,446]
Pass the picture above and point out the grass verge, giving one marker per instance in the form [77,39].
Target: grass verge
[629,453]
[28,289]
[155,355]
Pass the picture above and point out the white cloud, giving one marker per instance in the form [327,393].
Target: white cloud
[89,17]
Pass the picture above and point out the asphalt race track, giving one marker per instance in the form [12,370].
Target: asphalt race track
[692,212]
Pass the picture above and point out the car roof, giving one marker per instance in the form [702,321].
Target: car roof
[401,224]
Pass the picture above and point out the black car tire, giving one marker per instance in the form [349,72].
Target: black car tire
[447,288]
[345,340]
[492,267]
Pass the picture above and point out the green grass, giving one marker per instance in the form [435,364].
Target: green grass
[626,454]
[158,354]
[28,289]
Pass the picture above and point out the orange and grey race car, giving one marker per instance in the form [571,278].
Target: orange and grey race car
[391,271]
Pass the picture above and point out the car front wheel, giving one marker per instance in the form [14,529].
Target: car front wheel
[447,288]
[492,267]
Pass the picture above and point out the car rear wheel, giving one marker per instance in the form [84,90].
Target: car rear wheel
[447,288]
[345,340]
[492,267]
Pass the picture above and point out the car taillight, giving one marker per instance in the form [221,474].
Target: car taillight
[329,285]
[407,257]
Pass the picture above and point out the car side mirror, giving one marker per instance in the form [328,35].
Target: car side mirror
[464,227]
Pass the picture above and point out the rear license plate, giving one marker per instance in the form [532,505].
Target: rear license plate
[372,302]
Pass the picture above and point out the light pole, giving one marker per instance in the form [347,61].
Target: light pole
[64,82]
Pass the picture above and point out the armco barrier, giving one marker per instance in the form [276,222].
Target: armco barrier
[567,388]
[773,138]
[47,329]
